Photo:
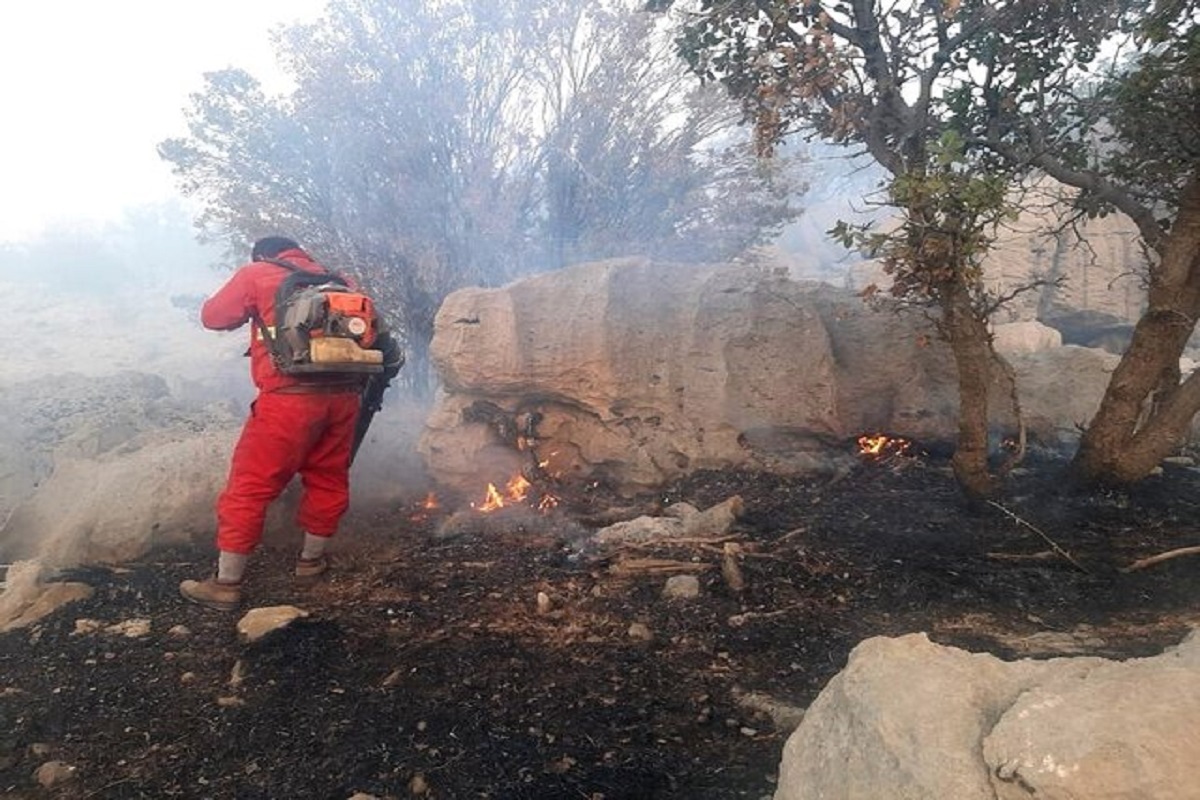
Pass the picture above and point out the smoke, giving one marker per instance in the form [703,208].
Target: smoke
[119,412]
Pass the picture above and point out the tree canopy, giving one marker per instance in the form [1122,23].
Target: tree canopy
[964,103]
[430,145]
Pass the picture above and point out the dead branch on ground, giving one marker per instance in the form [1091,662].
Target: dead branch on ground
[1053,544]
[655,566]
[1041,555]
[1150,561]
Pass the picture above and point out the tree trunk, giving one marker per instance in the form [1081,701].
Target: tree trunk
[967,333]
[1146,413]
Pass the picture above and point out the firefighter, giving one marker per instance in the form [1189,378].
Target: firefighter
[297,425]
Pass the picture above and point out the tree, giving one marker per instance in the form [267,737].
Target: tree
[908,83]
[432,144]
[1129,141]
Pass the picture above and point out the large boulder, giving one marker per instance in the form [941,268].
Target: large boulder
[973,727]
[643,371]
[102,466]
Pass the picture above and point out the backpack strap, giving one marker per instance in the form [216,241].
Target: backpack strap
[265,331]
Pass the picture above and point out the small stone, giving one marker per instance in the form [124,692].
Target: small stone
[131,628]
[40,749]
[237,674]
[187,677]
[258,622]
[748,731]
[393,678]
[180,631]
[86,626]
[682,587]
[543,603]
[418,785]
[230,702]
[640,631]
[53,773]
[363,796]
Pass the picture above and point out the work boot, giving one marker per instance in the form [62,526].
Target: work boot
[309,569]
[213,594]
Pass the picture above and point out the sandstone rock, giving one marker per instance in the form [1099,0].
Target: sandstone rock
[640,631]
[54,773]
[258,622]
[1027,336]
[972,726]
[121,503]
[646,371]
[682,587]
[1122,730]
[679,520]
[27,598]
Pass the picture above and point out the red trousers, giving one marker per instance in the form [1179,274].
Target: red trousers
[285,434]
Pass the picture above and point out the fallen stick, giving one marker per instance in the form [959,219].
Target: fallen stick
[667,541]
[1053,544]
[731,570]
[737,620]
[1041,555]
[1150,561]
[653,565]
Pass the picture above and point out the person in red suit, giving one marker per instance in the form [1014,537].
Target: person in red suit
[296,425]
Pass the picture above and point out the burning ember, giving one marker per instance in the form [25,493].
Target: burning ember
[515,491]
[426,508]
[879,446]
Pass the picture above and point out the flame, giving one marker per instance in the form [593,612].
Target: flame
[515,491]
[879,445]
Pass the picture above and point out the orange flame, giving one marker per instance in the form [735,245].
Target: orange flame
[515,491]
[879,445]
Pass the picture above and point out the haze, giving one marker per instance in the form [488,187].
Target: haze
[89,89]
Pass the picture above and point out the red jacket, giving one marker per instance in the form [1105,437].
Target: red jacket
[251,291]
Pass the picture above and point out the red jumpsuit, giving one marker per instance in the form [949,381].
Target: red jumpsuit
[292,428]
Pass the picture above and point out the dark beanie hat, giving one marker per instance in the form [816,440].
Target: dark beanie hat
[271,246]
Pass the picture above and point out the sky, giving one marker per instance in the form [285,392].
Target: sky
[88,89]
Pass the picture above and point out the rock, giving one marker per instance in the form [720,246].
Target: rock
[54,773]
[229,701]
[139,465]
[784,716]
[640,631]
[131,628]
[680,520]
[544,605]
[27,598]
[179,632]
[646,371]
[1026,336]
[1123,730]
[682,587]
[973,727]
[258,622]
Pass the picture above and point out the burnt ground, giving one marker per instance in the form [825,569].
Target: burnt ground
[427,669]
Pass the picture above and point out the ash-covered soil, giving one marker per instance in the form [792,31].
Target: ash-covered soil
[428,669]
